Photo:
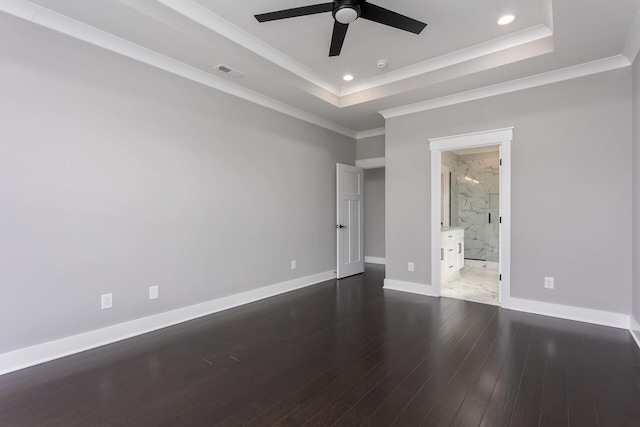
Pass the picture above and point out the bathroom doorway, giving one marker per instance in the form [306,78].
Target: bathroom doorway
[470,228]
[470,224]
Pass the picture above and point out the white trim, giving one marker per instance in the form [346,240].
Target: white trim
[205,17]
[581,70]
[216,23]
[81,31]
[414,288]
[579,314]
[436,228]
[634,328]
[374,163]
[587,315]
[22,9]
[510,41]
[632,46]
[504,250]
[375,260]
[41,353]
[370,133]
[471,140]
[503,138]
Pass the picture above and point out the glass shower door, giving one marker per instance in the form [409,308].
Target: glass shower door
[478,207]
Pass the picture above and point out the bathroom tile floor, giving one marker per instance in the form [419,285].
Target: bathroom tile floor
[477,284]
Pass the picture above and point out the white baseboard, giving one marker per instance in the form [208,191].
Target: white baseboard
[414,288]
[375,260]
[634,328]
[587,315]
[45,352]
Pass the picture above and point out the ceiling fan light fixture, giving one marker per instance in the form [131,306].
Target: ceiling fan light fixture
[507,19]
[346,13]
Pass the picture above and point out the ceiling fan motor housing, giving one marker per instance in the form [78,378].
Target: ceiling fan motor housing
[346,11]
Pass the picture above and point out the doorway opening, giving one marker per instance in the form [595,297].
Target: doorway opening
[470,208]
[470,218]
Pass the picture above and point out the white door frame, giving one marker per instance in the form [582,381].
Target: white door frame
[503,138]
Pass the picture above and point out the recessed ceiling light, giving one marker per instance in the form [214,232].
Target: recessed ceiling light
[507,19]
[347,77]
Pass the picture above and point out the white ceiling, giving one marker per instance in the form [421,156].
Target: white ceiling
[451,26]
[461,49]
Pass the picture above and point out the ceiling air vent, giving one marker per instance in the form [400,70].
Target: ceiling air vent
[230,71]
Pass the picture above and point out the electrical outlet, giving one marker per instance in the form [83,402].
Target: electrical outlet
[549,283]
[154,292]
[106,301]
[410,266]
[293,264]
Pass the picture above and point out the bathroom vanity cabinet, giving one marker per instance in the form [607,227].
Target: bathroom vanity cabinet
[451,252]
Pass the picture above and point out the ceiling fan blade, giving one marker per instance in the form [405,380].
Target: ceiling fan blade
[387,17]
[295,12]
[337,39]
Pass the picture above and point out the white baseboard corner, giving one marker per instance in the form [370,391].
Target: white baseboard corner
[375,260]
[634,328]
[587,315]
[37,354]
[414,288]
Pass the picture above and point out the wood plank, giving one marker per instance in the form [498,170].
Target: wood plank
[345,355]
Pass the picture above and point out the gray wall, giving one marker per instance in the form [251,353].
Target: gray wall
[115,176]
[370,148]
[374,212]
[571,196]
[636,190]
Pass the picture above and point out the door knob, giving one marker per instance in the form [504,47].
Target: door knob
[340,226]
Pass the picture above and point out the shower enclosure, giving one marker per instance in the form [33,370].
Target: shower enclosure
[478,191]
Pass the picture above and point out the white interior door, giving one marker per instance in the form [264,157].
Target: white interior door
[350,180]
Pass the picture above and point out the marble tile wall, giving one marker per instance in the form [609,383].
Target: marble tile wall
[476,180]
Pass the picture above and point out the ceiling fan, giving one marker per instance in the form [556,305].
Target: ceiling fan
[344,12]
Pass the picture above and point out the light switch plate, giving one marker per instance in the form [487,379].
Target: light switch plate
[294,264]
[154,292]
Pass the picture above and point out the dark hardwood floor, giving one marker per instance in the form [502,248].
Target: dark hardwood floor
[344,353]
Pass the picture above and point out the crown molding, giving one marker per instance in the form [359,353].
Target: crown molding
[22,9]
[203,16]
[632,46]
[509,41]
[586,69]
[370,133]
[81,31]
